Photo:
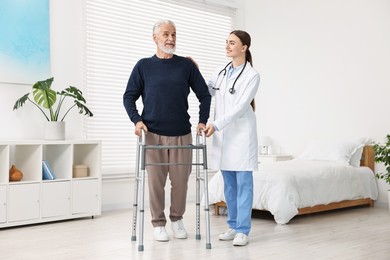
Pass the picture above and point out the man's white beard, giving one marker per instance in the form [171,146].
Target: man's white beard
[166,50]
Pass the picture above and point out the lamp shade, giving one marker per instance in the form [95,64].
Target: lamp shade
[265,141]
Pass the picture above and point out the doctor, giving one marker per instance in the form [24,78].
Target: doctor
[234,149]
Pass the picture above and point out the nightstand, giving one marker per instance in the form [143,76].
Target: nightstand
[273,158]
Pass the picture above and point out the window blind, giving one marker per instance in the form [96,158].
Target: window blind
[117,34]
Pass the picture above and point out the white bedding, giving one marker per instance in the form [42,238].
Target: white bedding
[283,187]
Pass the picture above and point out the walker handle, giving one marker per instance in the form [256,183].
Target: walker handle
[203,136]
[141,139]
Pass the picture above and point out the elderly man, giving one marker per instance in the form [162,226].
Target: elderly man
[164,82]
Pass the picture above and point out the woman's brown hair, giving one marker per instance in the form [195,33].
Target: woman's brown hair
[245,39]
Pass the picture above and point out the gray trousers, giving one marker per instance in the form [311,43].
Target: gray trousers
[178,175]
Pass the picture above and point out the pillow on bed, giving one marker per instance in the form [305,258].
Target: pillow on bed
[356,156]
[331,150]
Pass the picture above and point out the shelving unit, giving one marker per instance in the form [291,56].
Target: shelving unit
[34,200]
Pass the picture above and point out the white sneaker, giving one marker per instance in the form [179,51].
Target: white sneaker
[160,234]
[228,235]
[240,240]
[178,229]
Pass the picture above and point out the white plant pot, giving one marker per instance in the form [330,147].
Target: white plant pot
[54,130]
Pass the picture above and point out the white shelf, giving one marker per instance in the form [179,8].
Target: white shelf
[33,200]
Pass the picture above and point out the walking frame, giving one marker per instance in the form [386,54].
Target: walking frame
[140,185]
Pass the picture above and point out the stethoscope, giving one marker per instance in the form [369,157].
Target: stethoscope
[232,89]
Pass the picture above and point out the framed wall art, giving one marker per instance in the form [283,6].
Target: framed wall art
[24,41]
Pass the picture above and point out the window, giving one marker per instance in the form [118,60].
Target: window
[118,34]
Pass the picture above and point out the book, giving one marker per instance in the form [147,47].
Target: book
[47,171]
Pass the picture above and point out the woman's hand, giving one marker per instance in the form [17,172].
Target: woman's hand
[209,130]
[188,57]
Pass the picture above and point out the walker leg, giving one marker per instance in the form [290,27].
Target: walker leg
[207,210]
[206,192]
[141,211]
[134,226]
[135,205]
[142,193]
[197,236]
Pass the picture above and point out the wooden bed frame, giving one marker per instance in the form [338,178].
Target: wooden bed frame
[367,160]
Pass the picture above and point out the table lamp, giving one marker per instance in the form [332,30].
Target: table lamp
[265,142]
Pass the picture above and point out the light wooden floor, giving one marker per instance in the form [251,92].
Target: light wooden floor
[358,233]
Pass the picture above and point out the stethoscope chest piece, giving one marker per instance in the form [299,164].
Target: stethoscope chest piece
[232,90]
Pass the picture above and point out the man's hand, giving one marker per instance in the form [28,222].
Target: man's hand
[138,128]
[200,127]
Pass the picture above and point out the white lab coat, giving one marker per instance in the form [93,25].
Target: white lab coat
[234,145]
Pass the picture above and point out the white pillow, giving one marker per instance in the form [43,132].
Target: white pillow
[357,155]
[332,150]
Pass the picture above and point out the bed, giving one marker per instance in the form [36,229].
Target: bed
[326,176]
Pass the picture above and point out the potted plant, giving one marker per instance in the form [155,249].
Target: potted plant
[382,155]
[45,98]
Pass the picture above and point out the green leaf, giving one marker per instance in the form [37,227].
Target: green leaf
[74,93]
[43,94]
[382,155]
[83,109]
[20,102]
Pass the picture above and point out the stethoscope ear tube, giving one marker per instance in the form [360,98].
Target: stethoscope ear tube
[232,90]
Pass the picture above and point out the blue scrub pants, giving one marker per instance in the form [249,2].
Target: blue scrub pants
[238,189]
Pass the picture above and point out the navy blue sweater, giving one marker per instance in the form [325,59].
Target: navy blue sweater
[164,85]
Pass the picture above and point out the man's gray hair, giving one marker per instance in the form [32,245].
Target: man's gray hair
[157,25]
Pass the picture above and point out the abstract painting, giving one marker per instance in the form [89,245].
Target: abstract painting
[24,41]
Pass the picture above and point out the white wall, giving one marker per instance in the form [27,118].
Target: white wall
[324,69]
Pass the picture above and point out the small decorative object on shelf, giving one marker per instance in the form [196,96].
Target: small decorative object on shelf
[15,174]
[47,171]
[80,171]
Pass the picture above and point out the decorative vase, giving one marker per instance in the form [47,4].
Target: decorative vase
[15,174]
[55,130]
